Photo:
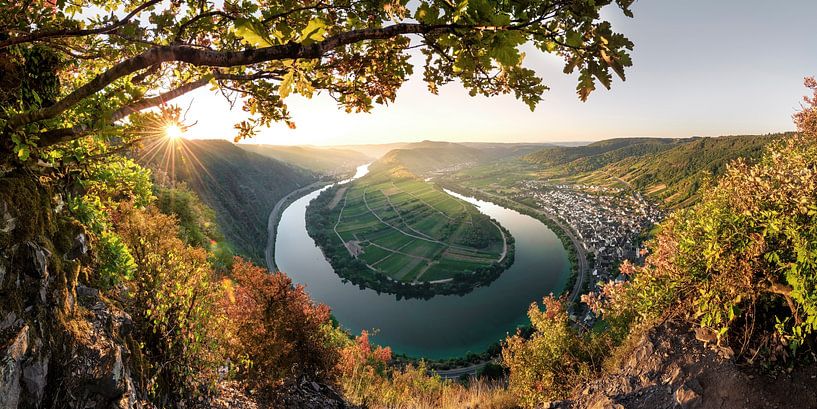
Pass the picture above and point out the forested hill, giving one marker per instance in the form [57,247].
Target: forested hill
[428,156]
[597,154]
[242,187]
[668,170]
[317,159]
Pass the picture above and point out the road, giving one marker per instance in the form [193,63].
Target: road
[457,372]
[275,214]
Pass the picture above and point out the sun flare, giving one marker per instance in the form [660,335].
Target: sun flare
[173,132]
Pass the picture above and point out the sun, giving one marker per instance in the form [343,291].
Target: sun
[173,132]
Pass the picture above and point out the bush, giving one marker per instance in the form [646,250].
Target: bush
[369,380]
[116,264]
[173,301]
[279,331]
[556,357]
[743,260]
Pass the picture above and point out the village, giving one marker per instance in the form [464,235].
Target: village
[609,222]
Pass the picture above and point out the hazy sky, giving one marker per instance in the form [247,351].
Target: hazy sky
[701,67]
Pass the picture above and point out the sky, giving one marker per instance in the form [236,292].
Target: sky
[700,68]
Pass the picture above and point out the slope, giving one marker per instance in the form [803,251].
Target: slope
[242,187]
[428,156]
[674,176]
[667,170]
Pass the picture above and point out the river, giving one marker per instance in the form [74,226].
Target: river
[443,326]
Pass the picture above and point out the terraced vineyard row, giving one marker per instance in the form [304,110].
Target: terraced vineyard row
[411,231]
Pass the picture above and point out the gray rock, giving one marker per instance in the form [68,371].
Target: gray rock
[8,223]
[11,369]
[35,375]
[79,248]
[38,257]
[87,292]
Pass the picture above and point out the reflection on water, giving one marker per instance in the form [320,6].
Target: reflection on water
[443,326]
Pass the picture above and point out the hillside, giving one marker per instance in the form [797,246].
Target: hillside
[675,175]
[494,150]
[668,170]
[316,159]
[241,186]
[572,159]
[427,156]
[373,150]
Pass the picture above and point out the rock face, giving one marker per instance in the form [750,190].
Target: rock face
[669,368]
[11,365]
[62,345]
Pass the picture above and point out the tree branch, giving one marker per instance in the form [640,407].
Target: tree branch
[159,99]
[45,34]
[213,58]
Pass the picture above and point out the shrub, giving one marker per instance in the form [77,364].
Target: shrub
[742,260]
[173,301]
[279,331]
[196,221]
[116,264]
[547,365]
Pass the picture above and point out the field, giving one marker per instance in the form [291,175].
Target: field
[411,231]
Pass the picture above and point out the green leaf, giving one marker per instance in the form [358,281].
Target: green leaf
[252,32]
[462,7]
[23,152]
[573,39]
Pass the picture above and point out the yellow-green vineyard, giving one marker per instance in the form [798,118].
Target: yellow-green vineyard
[412,231]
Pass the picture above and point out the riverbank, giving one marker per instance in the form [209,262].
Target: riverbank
[275,216]
[578,255]
[462,326]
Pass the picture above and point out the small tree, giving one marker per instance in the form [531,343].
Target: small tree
[553,360]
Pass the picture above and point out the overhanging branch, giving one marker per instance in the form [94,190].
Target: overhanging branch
[213,58]
[46,34]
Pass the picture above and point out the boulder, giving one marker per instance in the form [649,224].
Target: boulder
[687,398]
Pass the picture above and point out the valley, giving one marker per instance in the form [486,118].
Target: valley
[431,204]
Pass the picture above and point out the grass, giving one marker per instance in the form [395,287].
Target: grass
[412,231]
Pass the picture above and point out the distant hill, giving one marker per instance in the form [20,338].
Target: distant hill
[428,156]
[318,159]
[497,150]
[675,175]
[668,170]
[373,150]
[241,186]
[595,155]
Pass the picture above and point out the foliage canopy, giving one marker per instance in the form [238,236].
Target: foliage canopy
[77,68]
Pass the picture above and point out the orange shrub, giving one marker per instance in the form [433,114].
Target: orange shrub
[279,331]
